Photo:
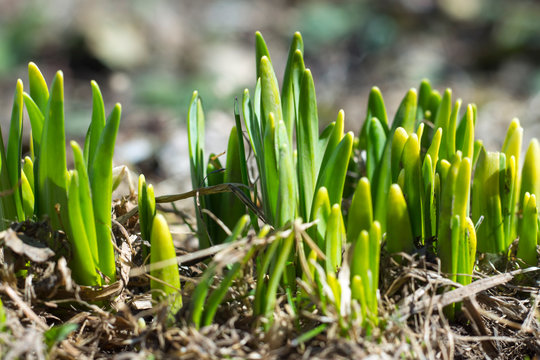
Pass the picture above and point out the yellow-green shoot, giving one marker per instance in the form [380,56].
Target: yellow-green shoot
[78,202]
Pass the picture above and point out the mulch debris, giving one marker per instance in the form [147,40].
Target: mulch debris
[48,316]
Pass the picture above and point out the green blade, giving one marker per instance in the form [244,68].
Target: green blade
[270,97]
[37,119]
[460,204]
[195,125]
[215,176]
[513,140]
[101,183]
[451,268]
[450,134]
[530,174]
[271,179]
[86,207]
[260,50]
[361,210]
[13,155]
[242,163]
[406,113]
[142,201]
[376,109]
[465,132]
[82,261]
[448,193]
[433,150]
[27,197]
[429,210]
[329,140]
[529,230]
[96,126]
[28,169]
[252,126]
[399,236]
[376,135]
[320,213]
[275,278]
[375,239]
[508,199]
[215,299]
[434,102]
[307,139]
[413,190]
[486,202]
[332,176]
[291,83]
[471,246]
[512,149]
[424,94]
[198,298]
[231,208]
[405,118]
[396,152]
[334,239]
[52,169]
[286,205]
[442,120]
[359,265]
[261,299]
[165,283]
[38,87]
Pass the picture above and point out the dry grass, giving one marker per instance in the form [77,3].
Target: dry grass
[500,317]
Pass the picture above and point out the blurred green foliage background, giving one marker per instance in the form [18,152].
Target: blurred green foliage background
[151,55]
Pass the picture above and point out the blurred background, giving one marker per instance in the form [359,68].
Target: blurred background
[151,55]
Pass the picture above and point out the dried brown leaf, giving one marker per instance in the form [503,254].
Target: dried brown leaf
[32,250]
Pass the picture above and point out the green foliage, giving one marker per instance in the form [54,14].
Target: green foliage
[226,207]
[529,231]
[83,267]
[77,201]
[365,271]
[204,305]
[416,189]
[165,280]
[51,163]
[147,209]
[422,182]
[58,333]
[2,316]
[9,163]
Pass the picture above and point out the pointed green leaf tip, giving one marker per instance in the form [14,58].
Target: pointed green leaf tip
[332,176]
[260,50]
[102,182]
[52,168]
[530,175]
[167,278]
[361,210]
[96,126]
[14,149]
[270,97]
[406,113]
[399,237]
[376,107]
[38,87]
